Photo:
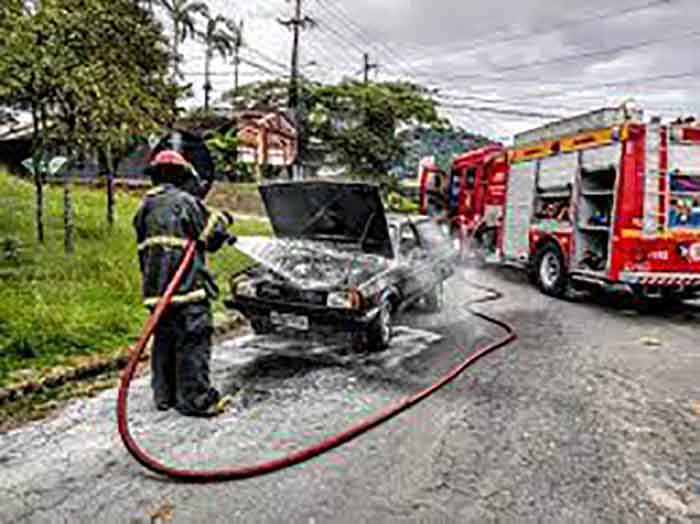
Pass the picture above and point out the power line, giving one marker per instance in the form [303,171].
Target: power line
[322,52]
[607,14]
[327,28]
[262,67]
[616,83]
[538,32]
[243,60]
[403,68]
[502,111]
[265,57]
[580,56]
[356,30]
[338,12]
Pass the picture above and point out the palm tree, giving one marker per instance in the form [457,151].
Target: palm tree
[223,41]
[182,14]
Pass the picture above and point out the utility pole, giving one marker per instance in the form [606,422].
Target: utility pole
[298,23]
[368,67]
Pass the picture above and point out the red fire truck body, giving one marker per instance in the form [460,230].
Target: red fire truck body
[601,200]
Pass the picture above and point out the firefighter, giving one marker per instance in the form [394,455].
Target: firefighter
[170,214]
[436,197]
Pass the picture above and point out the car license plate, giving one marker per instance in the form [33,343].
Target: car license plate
[291,321]
[695,252]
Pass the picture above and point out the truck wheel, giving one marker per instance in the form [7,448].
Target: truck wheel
[435,299]
[261,325]
[379,332]
[549,271]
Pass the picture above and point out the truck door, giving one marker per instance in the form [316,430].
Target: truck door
[518,211]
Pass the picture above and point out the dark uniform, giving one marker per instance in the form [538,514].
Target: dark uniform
[167,217]
[436,198]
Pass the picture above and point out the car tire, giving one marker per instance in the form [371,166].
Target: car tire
[379,332]
[435,299]
[549,271]
[261,325]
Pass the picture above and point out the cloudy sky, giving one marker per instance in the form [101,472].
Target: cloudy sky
[501,66]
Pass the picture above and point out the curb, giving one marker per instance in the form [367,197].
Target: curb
[99,365]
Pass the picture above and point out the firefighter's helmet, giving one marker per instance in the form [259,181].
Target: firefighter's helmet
[170,157]
[180,150]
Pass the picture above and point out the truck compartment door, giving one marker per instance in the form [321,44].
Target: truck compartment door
[519,203]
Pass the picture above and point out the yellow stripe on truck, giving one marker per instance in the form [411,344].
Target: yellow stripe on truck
[676,233]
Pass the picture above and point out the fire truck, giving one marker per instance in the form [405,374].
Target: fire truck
[601,200]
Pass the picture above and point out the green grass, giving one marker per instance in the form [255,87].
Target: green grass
[55,307]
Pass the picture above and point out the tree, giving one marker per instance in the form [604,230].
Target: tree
[182,14]
[267,95]
[360,122]
[102,70]
[24,87]
[220,37]
[139,103]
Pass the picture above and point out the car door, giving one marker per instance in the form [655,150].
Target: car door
[415,262]
[441,254]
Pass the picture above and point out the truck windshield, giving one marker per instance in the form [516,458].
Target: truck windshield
[684,208]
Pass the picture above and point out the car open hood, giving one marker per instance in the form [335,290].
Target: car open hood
[329,211]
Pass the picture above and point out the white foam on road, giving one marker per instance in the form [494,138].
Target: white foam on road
[406,343]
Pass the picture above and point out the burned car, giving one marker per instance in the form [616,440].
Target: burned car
[338,263]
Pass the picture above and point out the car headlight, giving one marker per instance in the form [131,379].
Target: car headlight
[351,299]
[245,288]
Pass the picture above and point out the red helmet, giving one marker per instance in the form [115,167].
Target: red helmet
[169,156]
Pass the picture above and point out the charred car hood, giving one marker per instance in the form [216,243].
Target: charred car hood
[329,211]
[312,265]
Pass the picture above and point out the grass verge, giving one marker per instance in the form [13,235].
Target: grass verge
[57,309]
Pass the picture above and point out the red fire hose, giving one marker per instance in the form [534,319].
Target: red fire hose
[302,455]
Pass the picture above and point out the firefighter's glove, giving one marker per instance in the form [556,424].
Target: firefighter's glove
[228,217]
[232,239]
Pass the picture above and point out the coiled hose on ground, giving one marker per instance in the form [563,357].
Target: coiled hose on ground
[302,455]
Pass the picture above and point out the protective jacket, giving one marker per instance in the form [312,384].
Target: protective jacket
[166,219]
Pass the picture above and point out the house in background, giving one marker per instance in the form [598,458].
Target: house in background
[265,138]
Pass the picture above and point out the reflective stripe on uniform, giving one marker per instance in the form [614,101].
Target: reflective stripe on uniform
[164,241]
[155,191]
[188,298]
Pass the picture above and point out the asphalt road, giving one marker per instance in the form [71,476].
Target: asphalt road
[592,416]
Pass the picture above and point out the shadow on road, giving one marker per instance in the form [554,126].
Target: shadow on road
[612,303]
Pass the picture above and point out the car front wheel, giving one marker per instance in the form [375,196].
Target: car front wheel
[379,332]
